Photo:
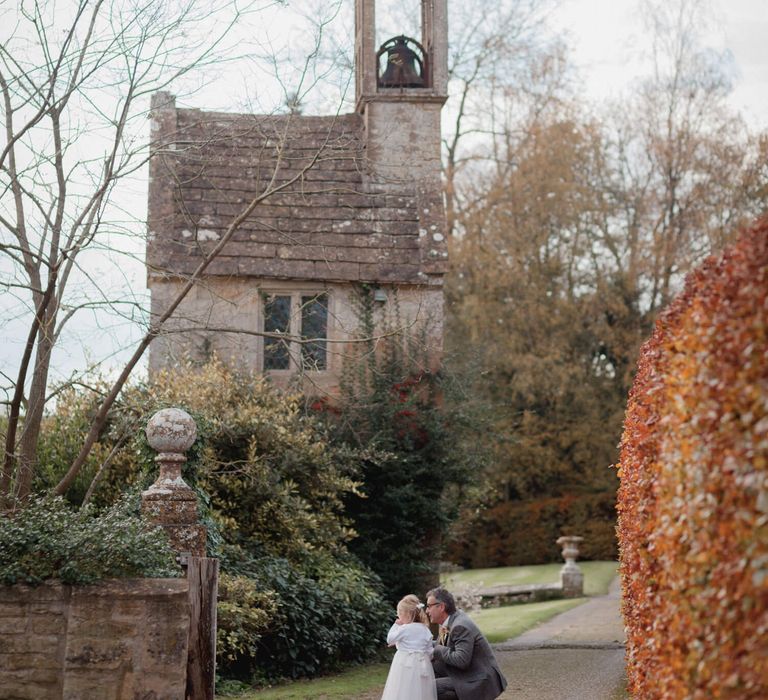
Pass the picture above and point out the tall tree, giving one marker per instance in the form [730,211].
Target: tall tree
[569,242]
[686,164]
[523,297]
[501,65]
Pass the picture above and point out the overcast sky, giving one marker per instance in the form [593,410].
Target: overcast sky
[608,44]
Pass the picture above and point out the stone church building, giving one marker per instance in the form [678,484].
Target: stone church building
[346,202]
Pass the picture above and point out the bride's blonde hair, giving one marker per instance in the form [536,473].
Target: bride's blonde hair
[411,609]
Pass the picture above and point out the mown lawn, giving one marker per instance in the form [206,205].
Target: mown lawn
[597,576]
[498,624]
[501,624]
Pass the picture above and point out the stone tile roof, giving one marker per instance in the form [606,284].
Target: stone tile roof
[329,221]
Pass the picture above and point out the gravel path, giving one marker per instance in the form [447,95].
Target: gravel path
[578,655]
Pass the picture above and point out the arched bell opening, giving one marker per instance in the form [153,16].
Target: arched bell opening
[402,63]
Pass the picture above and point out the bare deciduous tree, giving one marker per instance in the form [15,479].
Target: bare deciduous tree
[501,64]
[76,80]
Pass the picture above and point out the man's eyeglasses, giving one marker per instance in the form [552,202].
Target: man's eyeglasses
[429,605]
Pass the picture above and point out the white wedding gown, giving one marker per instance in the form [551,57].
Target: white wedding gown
[411,676]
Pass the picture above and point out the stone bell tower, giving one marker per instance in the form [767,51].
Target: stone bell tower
[400,90]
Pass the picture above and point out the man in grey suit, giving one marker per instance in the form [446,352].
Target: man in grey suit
[465,667]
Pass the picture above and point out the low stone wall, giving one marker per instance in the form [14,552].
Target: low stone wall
[117,640]
[495,596]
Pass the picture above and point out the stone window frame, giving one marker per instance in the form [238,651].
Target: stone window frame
[294,348]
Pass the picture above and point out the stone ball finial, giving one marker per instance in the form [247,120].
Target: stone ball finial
[171,430]
[170,502]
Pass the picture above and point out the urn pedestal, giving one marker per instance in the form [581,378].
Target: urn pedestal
[571,576]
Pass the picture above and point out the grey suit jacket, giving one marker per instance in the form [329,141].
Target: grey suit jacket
[469,662]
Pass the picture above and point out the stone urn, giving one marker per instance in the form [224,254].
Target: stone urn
[571,576]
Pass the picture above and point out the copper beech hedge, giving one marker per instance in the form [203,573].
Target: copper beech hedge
[693,499]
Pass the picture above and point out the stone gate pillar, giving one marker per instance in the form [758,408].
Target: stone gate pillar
[170,502]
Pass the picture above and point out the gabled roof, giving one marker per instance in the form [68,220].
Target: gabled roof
[330,221]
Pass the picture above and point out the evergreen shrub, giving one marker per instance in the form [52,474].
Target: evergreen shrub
[49,540]
[62,436]
[417,444]
[243,614]
[693,500]
[317,617]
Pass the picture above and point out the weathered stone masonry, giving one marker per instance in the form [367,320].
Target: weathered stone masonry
[119,640]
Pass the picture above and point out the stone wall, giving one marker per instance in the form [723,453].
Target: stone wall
[403,139]
[117,640]
[236,303]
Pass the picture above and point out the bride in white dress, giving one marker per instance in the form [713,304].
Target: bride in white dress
[411,676]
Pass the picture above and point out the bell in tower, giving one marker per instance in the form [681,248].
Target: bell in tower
[401,85]
[405,66]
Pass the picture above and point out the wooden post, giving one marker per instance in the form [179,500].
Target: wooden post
[203,577]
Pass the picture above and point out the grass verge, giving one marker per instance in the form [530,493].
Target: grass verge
[597,576]
[358,683]
[501,624]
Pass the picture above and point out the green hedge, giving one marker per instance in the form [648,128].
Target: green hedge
[300,620]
